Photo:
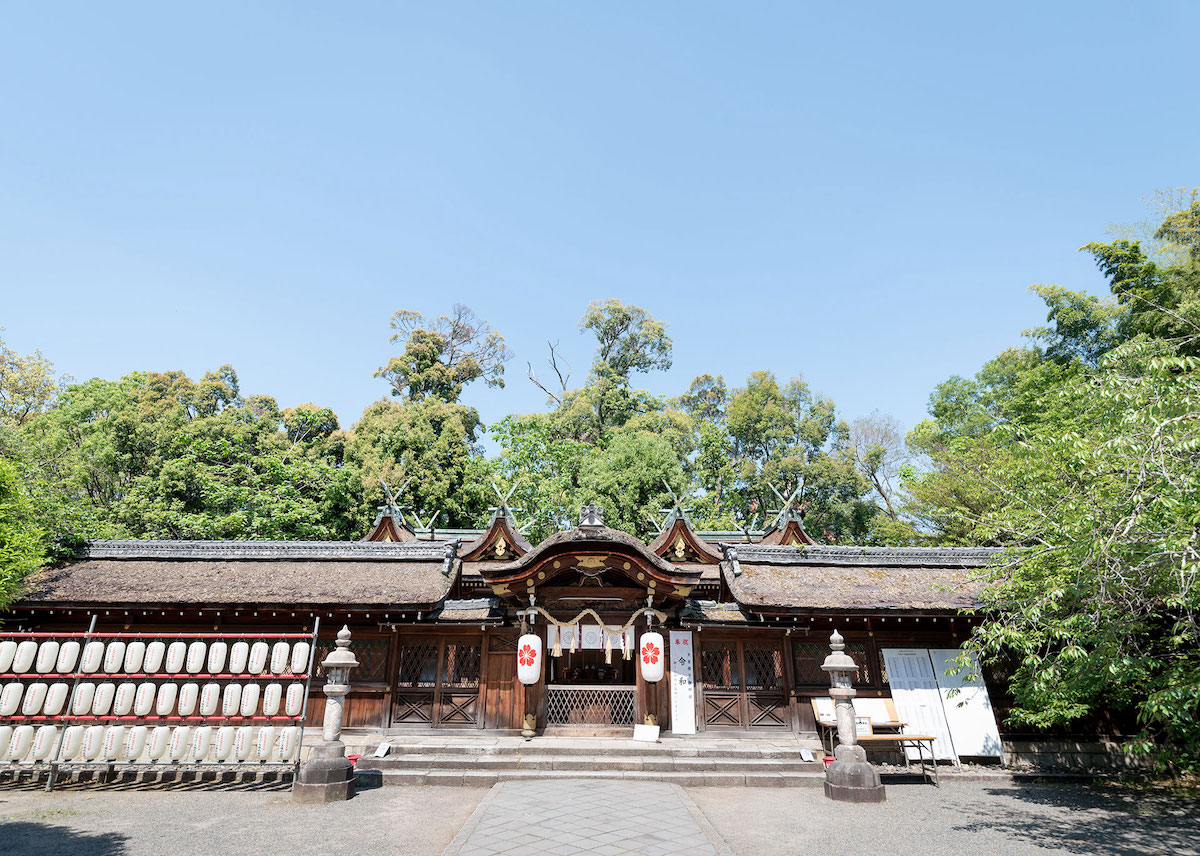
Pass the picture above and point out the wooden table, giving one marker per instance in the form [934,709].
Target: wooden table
[830,728]
[919,741]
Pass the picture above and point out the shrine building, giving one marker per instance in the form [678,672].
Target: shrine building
[436,616]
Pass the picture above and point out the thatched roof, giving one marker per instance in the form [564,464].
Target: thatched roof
[816,577]
[249,572]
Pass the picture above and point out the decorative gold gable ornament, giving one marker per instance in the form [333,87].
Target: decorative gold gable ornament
[679,548]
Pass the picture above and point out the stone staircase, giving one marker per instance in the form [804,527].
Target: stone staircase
[697,761]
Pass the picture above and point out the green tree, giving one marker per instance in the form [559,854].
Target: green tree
[706,398]
[628,338]
[432,445]
[27,385]
[1097,602]
[158,455]
[442,355]
[21,540]
[1080,453]
[787,438]
[628,479]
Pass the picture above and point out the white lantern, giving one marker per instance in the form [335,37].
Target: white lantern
[653,656]
[529,659]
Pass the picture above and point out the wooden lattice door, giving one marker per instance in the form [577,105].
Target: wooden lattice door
[743,684]
[437,681]
[457,702]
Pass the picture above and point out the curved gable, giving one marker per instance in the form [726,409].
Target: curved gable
[595,552]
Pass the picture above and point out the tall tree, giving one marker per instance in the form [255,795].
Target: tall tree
[21,540]
[1098,602]
[442,355]
[433,446]
[787,438]
[1080,454]
[882,457]
[159,455]
[27,385]
[628,338]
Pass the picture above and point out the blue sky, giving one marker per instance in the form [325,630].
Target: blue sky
[857,193]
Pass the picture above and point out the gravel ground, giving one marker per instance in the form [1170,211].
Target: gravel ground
[979,818]
[179,821]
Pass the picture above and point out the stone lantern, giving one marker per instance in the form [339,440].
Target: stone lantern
[328,775]
[849,778]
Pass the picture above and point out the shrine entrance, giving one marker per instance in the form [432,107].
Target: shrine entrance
[584,691]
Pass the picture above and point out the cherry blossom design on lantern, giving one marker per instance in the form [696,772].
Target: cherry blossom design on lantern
[650,654]
[527,656]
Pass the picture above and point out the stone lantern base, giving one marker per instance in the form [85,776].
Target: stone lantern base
[851,779]
[327,776]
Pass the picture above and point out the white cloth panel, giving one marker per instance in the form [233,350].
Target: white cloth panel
[969,710]
[917,698]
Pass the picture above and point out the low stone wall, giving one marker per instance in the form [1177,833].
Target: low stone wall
[1064,753]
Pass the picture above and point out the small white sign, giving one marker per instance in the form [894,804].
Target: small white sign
[806,754]
[382,749]
[683,683]
[647,733]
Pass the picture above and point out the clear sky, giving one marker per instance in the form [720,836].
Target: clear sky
[857,193]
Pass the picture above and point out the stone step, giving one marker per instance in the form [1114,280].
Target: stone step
[620,762]
[626,748]
[487,778]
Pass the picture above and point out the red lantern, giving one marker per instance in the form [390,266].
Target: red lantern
[529,659]
[652,653]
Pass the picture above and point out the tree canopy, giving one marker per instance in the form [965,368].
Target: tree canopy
[1081,454]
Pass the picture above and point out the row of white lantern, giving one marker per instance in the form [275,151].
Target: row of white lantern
[140,657]
[140,742]
[651,657]
[151,699]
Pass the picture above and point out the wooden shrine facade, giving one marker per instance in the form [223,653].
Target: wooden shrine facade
[435,617]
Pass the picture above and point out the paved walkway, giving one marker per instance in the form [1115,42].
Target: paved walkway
[996,818]
[587,816]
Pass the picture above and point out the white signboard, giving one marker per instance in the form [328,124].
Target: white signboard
[917,699]
[646,733]
[969,710]
[683,683]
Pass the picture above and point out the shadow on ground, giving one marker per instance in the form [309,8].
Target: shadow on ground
[132,780]
[1093,819]
[25,838]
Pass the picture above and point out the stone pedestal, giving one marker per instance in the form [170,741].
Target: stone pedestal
[851,779]
[328,776]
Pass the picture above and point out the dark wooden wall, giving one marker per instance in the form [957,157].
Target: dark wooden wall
[502,699]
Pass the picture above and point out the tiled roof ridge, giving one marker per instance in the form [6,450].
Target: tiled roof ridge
[233,550]
[823,554]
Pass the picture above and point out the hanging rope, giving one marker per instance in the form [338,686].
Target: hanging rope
[609,632]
